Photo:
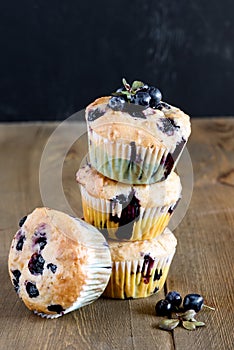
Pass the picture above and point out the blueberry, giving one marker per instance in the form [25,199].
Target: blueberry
[167,126]
[155,95]
[41,241]
[134,110]
[162,105]
[94,114]
[16,274]
[36,264]
[145,87]
[32,290]
[39,238]
[52,267]
[22,221]
[157,274]
[163,308]
[174,298]
[116,103]
[21,238]
[193,302]
[142,98]
[56,308]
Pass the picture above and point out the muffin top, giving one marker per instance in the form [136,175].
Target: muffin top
[49,259]
[165,125]
[159,247]
[157,194]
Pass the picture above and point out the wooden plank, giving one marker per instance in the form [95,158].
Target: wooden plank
[202,263]
[204,259]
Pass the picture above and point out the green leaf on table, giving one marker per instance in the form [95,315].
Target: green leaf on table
[188,315]
[190,326]
[169,325]
[199,324]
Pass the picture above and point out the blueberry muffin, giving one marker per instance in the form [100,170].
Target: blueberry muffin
[134,137]
[140,268]
[127,212]
[58,263]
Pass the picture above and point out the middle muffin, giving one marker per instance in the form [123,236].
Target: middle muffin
[127,212]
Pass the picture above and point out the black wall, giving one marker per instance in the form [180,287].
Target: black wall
[57,56]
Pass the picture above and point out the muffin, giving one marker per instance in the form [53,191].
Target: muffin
[139,269]
[133,140]
[127,212]
[58,263]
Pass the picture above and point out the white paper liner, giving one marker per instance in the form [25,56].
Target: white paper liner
[150,223]
[128,281]
[147,167]
[97,270]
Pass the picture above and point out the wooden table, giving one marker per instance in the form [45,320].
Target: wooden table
[203,262]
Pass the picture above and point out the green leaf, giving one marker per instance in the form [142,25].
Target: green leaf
[190,326]
[124,93]
[136,85]
[199,324]
[126,85]
[169,325]
[188,315]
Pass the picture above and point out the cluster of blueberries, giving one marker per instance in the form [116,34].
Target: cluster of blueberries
[173,300]
[146,96]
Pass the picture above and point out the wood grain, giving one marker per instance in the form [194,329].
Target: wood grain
[203,262]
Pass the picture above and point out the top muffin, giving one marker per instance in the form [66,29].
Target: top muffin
[134,137]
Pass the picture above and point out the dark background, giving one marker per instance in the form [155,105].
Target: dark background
[57,56]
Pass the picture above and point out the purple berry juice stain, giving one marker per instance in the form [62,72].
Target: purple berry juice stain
[129,214]
[147,266]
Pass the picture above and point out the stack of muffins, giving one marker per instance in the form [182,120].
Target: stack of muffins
[129,188]
[129,191]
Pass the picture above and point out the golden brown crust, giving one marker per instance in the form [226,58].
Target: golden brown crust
[157,194]
[148,131]
[162,246]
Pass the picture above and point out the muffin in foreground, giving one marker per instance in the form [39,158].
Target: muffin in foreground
[135,140]
[58,263]
[127,212]
[140,268]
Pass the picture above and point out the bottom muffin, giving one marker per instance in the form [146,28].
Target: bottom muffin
[140,268]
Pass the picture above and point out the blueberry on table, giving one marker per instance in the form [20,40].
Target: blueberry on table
[193,302]
[116,103]
[174,298]
[163,308]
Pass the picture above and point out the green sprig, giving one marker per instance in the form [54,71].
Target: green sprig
[186,319]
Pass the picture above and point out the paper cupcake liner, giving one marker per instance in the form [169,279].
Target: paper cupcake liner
[137,278]
[98,269]
[149,224]
[68,240]
[128,162]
